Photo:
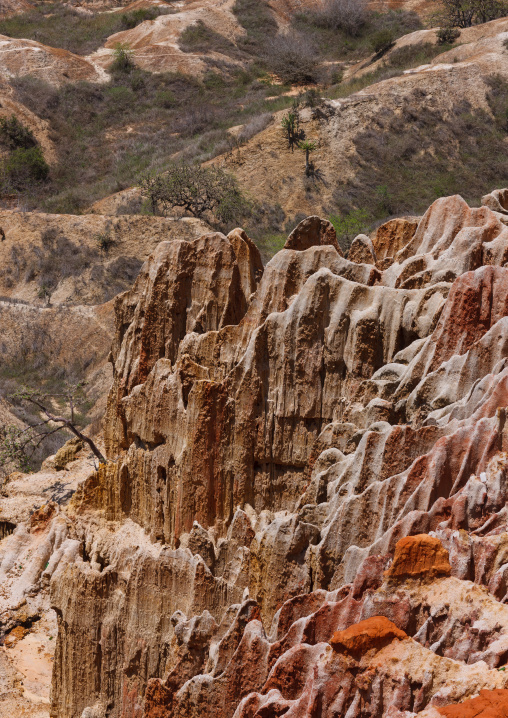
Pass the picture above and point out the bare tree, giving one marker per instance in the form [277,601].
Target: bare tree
[346,15]
[18,444]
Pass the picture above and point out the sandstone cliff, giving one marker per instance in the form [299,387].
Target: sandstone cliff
[304,507]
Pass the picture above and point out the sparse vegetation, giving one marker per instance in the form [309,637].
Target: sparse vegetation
[410,159]
[140,124]
[339,45]
[258,20]
[398,60]
[173,115]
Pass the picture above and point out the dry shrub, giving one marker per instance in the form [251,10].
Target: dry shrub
[293,57]
[346,15]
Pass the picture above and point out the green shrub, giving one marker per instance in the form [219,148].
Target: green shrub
[26,167]
[337,76]
[58,25]
[165,98]
[104,241]
[382,41]
[348,225]
[122,63]
[15,135]
[447,35]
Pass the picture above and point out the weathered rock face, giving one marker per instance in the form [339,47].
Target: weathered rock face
[304,509]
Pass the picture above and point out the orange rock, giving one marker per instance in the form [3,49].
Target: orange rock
[489,704]
[312,232]
[375,632]
[419,556]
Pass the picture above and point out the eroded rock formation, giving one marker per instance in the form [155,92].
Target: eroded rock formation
[303,511]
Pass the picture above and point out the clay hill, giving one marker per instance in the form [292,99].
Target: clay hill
[303,510]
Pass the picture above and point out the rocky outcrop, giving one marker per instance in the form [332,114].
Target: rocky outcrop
[304,506]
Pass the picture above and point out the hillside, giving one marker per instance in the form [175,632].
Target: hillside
[395,145]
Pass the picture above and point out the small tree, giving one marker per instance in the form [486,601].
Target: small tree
[200,191]
[291,128]
[447,35]
[465,13]
[307,146]
[122,62]
[17,445]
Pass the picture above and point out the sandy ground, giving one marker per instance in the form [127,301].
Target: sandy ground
[25,670]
